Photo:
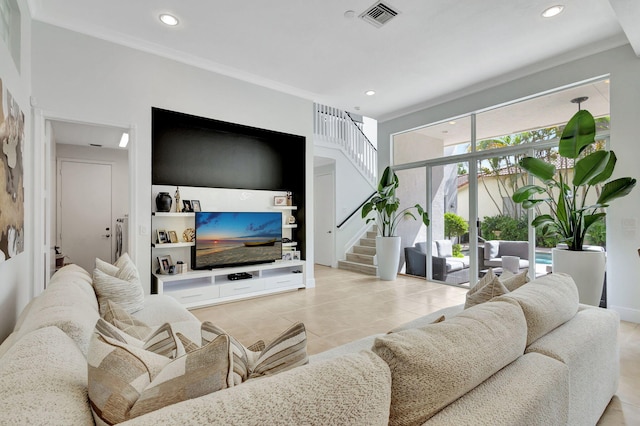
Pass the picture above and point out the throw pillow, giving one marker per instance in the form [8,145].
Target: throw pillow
[125,381]
[161,342]
[486,289]
[445,248]
[512,281]
[124,287]
[106,267]
[115,315]
[287,351]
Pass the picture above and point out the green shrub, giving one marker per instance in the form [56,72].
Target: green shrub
[597,234]
[513,230]
[457,250]
[454,225]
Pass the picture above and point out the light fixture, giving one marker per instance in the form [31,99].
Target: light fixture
[370,92]
[579,100]
[452,122]
[170,20]
[124,140]
[552,11]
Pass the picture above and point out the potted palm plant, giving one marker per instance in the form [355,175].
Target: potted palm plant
[385,203]
[565,193]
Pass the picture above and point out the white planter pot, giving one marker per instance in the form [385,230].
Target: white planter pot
[388,254]
[587,269]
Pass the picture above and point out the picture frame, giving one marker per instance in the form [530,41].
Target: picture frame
[280,200]
[162,236]
[286,256]
[295,255]
[173,237]
[165,264]
[195,205]
[186,206]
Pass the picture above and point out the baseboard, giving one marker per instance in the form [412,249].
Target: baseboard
[627,314]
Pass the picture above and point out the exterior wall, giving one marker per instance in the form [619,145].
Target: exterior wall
[623,67]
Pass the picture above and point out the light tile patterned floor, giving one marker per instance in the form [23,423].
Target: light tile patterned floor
[346,306]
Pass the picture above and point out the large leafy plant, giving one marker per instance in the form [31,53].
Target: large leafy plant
[570,215]
[386,204]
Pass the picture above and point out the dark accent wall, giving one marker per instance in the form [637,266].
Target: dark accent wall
[187,150]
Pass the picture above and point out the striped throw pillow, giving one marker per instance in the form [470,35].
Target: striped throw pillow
[161,342]
[124,287]
[287,351]
[125,381]
[115,315]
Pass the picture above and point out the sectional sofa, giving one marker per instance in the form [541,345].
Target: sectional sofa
[531,356]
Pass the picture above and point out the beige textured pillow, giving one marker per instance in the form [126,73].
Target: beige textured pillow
[124,287]
[547,302]
[433,366]
[115,315]
[513,281]
[486,289]
[126,381]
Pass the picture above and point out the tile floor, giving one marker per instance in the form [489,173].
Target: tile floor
[346,306]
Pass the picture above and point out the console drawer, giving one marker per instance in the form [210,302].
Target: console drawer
[241,287]
[290,280]
[194,294]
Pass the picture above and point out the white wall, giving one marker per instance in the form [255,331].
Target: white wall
[91,80]
[119,177]
[623,268]
[16,275]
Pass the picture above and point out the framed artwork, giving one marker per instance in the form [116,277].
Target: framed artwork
[166,264]
[163,237]
[287,255]
[279,200]
[195,205]
[173,237]
[186,206]
[296,255]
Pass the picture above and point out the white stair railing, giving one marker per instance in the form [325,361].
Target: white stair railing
[335,126]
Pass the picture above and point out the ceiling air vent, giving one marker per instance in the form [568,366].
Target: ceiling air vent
[378,14]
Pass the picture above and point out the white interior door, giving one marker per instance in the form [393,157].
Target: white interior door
[324,224]
[84,212]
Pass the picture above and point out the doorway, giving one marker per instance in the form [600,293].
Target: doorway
[324,224]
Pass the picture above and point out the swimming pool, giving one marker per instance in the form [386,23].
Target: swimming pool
[543,257]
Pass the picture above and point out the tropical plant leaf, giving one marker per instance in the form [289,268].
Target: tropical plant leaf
[527,204]
[539,168]
[579,133]
[615,189]
[525,192]
[590,166]
[542,220]
[366,209]
[590,219]
[607,171]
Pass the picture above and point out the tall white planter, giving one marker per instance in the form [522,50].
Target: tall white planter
[587,269]
[388,254]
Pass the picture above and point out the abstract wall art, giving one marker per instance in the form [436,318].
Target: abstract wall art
[11,176]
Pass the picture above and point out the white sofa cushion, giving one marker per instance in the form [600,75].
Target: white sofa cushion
[354,389]
[124,287]
[491,249]
[43,380]
[445,248]
[432,366]
[547,302]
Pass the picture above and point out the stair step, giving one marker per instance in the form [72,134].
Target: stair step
[368,242]
[358,267]
[365,259]
[372,234]
[364,250]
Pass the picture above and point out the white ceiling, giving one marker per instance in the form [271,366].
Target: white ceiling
[431,50]
[86,134]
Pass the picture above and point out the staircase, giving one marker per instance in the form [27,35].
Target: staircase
[362,257]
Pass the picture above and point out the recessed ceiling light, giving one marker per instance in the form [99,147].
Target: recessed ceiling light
[124,140]
[349,14]
[552,11]
[370,92]
[452,122]
[169,19]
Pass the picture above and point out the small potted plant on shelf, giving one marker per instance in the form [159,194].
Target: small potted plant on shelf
[565,193]
[385,203]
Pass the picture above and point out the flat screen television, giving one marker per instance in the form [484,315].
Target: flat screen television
[226,239]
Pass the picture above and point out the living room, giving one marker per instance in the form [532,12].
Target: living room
[68,75]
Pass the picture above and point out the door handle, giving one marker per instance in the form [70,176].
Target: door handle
[328,232]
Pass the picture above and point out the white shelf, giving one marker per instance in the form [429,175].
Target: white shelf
[293,244]
[172,245]
[289,226]
[286,207]
[173,214]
